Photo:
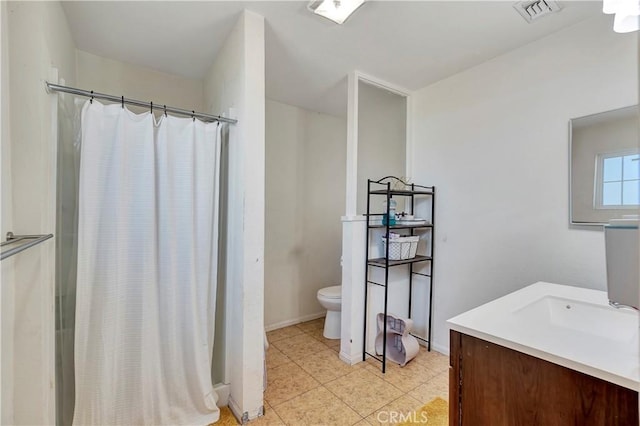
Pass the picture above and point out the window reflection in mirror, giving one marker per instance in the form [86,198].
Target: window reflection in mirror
[604,166]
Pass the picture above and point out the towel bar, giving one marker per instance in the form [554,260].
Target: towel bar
[13,239]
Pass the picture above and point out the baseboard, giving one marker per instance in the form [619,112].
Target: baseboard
[444,350]
[223,391]
[351,360]
[435,347]
[295,321]
[243,418]
[235,410]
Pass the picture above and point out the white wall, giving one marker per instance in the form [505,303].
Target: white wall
[235,86]
[38,40]
[382,123]
[305,196]
[7,267]
[494,142]
[133,81]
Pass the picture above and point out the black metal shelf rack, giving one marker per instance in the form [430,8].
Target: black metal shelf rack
[411,191]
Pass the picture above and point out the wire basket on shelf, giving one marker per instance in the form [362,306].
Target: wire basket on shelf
[401,248]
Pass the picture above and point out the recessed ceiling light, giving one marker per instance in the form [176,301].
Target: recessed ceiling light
[336,10]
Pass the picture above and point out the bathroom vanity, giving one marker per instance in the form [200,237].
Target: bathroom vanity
[545,355]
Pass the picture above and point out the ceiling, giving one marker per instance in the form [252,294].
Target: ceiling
[410,44]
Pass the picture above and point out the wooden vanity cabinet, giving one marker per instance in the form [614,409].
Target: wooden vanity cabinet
[493,385]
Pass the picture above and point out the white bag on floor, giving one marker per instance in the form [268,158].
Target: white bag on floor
[401,346]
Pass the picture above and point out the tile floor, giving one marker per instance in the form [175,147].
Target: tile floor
[309,385]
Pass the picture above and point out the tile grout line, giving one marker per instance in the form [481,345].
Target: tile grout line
[274,407]
[274,412]
[310,334]
[295,396]
[350,406]
[330,392]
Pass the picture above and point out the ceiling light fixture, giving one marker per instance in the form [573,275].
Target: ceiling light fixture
[627,14]
[336,10]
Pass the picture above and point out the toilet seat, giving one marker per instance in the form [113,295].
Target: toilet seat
[334,292]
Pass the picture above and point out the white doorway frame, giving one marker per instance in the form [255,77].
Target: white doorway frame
[354,225]
[353,82]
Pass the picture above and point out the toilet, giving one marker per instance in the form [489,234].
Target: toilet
[331,299]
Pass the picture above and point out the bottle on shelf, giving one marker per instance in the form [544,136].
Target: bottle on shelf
[392,213]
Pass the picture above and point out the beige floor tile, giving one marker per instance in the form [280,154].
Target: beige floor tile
[334,345]
[424,354]
[374,366]
[283,333]
[318,335]
[286,382]
[275,357]
[363,422]
[442,363]
[437,387]
[442,378]
[331,343]
[391,413]
[317,407]
[410,376]
[425,365]
[363,391]
[434,360]
[325,366]
[404,380]
[299,346]
[270,418]
[226,418]
[308,326]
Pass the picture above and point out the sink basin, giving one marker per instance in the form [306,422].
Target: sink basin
[577,319]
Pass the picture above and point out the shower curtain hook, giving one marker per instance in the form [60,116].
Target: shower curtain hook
[122,102]
[91,100]
[165,110]
[193,115]
[151,107]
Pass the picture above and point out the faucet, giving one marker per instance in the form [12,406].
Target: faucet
[621,306]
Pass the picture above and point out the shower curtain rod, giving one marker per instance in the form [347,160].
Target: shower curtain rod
[94,95]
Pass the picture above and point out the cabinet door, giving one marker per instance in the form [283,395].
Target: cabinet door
[501,386]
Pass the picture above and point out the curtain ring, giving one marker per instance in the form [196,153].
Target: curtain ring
[165,110]
[151,107]
[122,102]
[193,115]
[91,100]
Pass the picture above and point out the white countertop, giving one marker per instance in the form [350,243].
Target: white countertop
[570,326]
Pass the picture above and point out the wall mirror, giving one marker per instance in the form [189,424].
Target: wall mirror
[604,166]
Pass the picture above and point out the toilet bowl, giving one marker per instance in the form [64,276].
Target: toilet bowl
[331,299]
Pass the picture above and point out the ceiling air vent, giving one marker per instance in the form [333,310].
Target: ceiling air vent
[535,9]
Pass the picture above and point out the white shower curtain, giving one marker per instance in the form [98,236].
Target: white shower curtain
[147,266]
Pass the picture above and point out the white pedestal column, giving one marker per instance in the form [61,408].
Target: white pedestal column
[353,269]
